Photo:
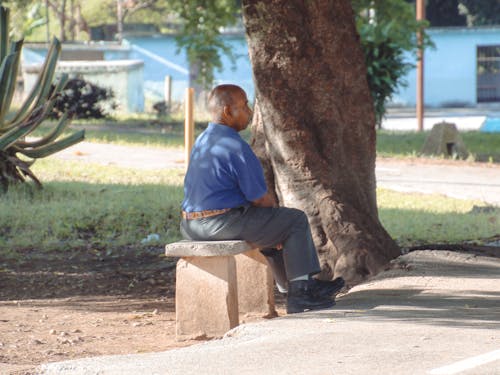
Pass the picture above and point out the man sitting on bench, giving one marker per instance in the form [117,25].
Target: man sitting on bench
[226,198]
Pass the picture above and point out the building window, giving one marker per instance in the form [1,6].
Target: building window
[488,74]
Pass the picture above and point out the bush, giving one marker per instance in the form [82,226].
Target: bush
[84,100]
[161,108]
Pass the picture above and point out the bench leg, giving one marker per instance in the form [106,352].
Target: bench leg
[206,297]
[255,284]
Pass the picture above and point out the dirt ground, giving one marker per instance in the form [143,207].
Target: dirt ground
[86,304]
[92,303]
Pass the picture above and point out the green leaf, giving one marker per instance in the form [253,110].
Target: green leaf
[42,84]
[44,151]
[48,73]
[36,116]
[9,138]
[9,79]
[5,79]
[4,32]
[62,124]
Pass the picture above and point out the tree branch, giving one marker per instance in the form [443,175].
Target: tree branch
[140,5]
[54,7]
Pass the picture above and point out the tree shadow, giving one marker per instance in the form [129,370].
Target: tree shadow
[86,277]
[438,288]
[469,309]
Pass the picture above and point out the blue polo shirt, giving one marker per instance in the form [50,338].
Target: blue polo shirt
[223,172]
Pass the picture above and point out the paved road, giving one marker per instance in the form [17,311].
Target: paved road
[459,180]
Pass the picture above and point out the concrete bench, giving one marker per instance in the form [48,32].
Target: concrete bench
[215,282]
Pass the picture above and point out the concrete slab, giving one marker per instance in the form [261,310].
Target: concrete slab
[431,310]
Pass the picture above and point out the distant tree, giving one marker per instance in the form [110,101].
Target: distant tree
[462,12]
[441,13]
[99,12]
[480,13]
[26,16]
[127,8]
[70,18]
[59,8]
[387,29]
[200,36]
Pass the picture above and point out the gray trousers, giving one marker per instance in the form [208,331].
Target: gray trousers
[265,227]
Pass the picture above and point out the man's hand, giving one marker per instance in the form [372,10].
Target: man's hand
[266,200]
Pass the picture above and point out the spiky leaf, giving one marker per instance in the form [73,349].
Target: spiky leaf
[8,76]
[41,88]
[8,139]
[49,149]
[56,132]
[4,32]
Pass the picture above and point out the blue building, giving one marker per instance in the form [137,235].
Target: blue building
[462,70]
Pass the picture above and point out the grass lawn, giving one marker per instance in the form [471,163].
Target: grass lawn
[93,206]
[147,130]
[105,207]
[484,147]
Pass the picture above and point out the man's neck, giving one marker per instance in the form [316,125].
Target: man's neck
[222,122]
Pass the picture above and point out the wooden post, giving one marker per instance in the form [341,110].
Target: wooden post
[420,68]
[167,90]
[188,124]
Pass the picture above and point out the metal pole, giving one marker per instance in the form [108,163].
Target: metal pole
[420,68]
[188,124]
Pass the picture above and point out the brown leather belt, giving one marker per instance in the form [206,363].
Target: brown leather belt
[203,214]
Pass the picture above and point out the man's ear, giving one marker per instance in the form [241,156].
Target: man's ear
[227,111]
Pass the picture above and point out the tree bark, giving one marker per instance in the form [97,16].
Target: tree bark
[314,128]
[62,21]
[61,14]
[119,20]
[72,20]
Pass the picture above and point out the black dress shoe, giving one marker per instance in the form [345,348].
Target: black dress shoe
[323,288]
[301,297]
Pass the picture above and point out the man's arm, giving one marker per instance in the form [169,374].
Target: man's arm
[266,200]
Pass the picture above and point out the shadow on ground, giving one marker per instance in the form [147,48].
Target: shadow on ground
[131,273]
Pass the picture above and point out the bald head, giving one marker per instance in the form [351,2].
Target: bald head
[228,105]
[222,96]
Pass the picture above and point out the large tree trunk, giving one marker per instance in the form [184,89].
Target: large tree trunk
[314,128]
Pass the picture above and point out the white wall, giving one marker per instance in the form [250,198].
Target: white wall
[124,77]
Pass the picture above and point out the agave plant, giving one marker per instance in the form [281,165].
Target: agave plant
[17,154]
